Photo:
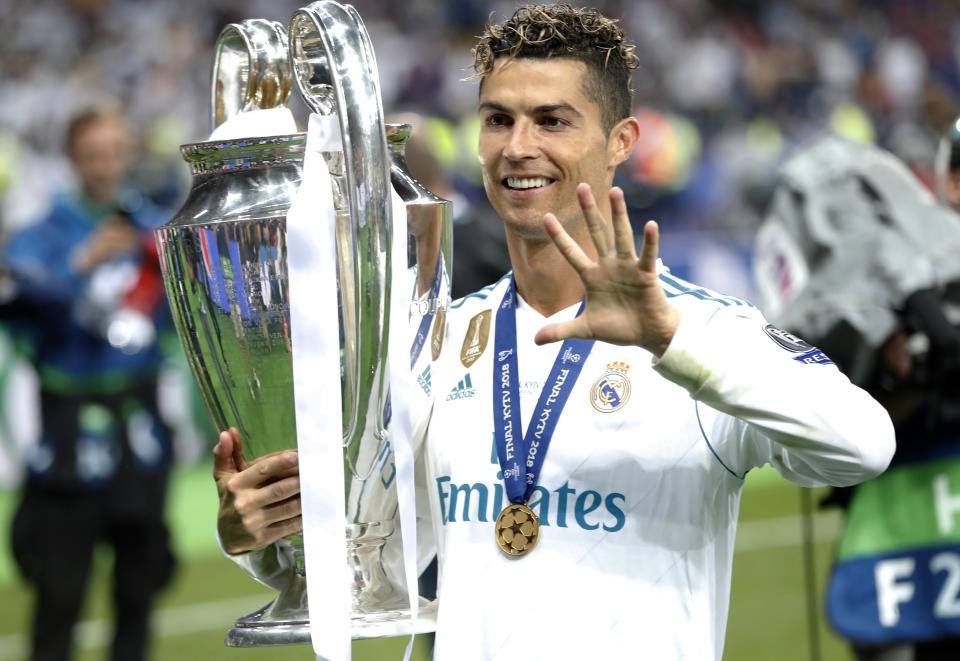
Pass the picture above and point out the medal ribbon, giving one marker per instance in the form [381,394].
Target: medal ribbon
[506,402]
[421,337]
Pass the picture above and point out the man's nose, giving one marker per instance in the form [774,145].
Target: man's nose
[522,142]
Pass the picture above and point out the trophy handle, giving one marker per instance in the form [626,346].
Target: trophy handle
[336,72]
[251,69]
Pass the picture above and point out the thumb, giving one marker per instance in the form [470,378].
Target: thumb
[238,459]
[224,453]
[575,328]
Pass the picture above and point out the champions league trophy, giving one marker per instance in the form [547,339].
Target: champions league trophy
[224,264]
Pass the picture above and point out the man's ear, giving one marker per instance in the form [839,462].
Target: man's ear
[623,138]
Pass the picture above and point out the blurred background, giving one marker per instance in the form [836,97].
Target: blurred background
[726,92]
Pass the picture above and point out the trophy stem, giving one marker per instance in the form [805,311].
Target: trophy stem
[284,621]
[299,558]
[379,607]
[374,595]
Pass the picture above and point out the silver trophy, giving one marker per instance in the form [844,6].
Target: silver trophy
[224,264]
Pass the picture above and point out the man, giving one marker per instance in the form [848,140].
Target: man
[615,538]
[88,288]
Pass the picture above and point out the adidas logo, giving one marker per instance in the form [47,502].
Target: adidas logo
[424,380]
[462,390]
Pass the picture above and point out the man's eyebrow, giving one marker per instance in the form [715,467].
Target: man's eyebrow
[538,110]
[554,107]
[490,105]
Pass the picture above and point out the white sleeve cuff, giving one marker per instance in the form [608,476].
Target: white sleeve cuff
[683,362]
[273,566]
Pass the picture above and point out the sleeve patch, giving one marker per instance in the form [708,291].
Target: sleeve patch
[814,357]
[788,341]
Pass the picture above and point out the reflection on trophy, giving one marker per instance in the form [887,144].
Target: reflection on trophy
[224,264]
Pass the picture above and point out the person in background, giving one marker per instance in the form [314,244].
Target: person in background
[85,311]
[856,256]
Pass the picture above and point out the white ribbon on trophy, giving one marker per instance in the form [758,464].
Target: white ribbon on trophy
[315,342]
[311,268]
[254,123]
[401,424]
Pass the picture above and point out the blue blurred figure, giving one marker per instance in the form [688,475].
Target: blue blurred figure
[88,301]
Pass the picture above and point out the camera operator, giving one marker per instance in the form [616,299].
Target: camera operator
[857,257]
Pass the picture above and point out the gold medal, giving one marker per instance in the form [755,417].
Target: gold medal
[517,529]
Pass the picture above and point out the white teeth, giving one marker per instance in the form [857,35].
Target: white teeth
[527,182]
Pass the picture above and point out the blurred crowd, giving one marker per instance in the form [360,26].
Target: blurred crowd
[726,92]
[726,88]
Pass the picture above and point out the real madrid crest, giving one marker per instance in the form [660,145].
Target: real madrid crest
[612,390]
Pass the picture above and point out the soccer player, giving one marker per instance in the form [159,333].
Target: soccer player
[595,415]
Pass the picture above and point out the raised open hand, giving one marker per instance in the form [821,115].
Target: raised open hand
[625,303]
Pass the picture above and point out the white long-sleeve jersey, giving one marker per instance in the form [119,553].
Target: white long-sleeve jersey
[639,493]
[640,489]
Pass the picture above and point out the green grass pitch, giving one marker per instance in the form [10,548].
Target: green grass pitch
[767,612]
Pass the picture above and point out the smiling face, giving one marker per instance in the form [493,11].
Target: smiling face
[540,136]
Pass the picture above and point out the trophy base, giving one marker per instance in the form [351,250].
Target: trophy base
[266,627]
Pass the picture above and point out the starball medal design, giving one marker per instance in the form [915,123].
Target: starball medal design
[517,529]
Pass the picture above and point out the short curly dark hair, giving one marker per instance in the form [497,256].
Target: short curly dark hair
[582,34]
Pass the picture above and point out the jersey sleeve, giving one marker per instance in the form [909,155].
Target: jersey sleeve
[765,396]
[272,566]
